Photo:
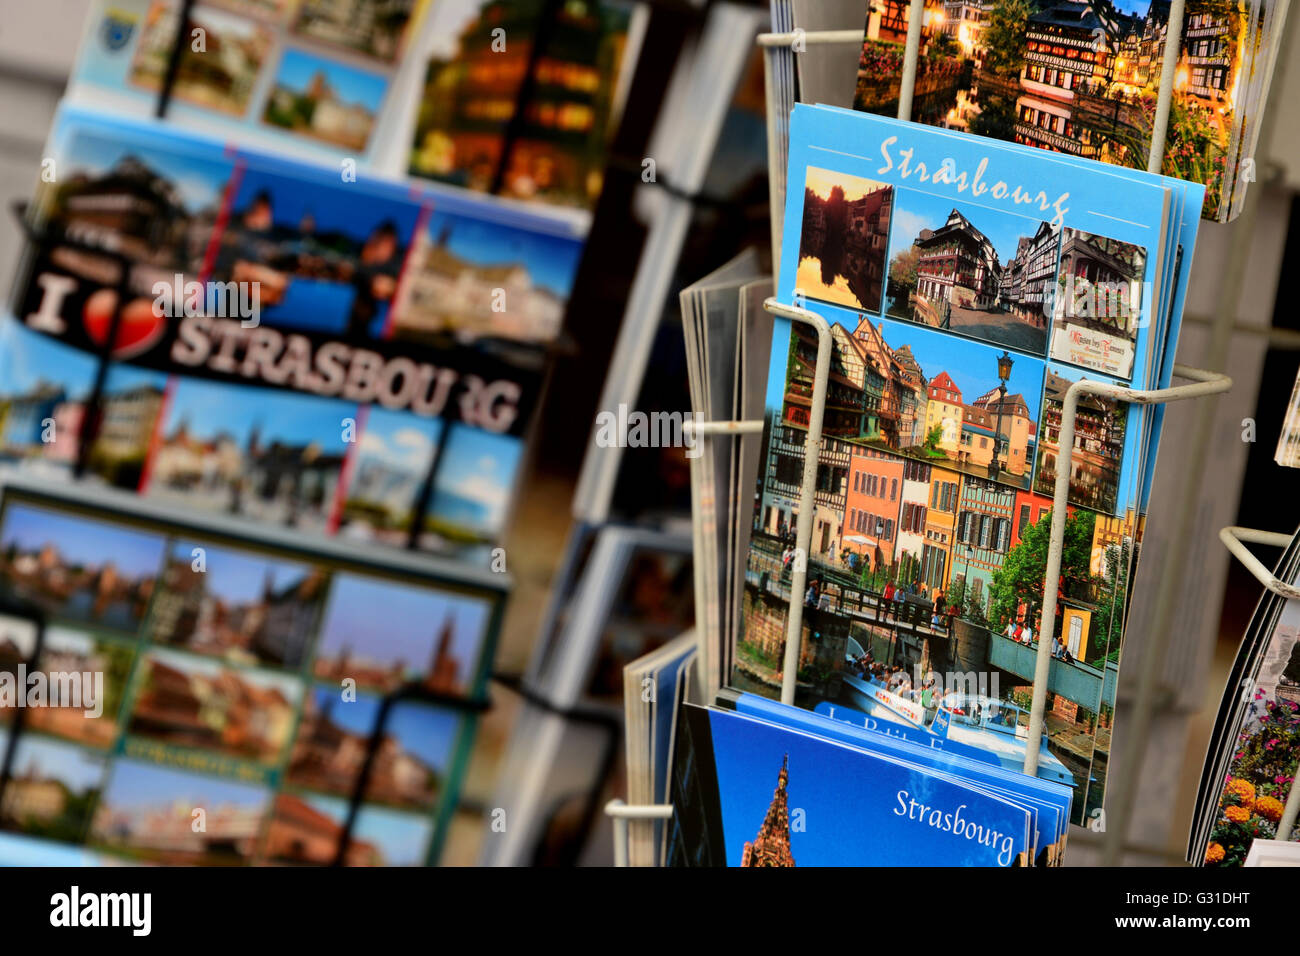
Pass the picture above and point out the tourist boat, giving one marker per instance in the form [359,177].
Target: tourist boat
[976,720]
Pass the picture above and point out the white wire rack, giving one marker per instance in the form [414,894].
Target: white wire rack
[1200,383]
[780,50]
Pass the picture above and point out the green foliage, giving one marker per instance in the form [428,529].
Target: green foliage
[902,268]
[956,596]
[933,437]
[755,655]
[1022,572]
[942,47]
[1194,149]
[973,610]
[1004,37]
[909,568]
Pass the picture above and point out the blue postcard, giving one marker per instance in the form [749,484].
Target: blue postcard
[772,796]
[967,285]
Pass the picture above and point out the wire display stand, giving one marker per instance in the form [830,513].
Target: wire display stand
[780,50]
[1201,383]
[1235,540]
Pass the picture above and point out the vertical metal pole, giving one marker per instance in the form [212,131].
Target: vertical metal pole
[807,495]
[1168,66]
[1052,577]
[775,161]
[911,52]
[620,832]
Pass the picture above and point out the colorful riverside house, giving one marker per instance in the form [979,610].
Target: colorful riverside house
[940,523]
[944,410]
[983,534]
[1109,532]
[1210,52]
[887,20]
[858,387]
[910,385]
[1114,270]
[845,399]
[1098,445]
[957,265]
[1030,509]
[911,514]
[1016,435]
[873,499]
[781,488]
[978,438]
[963,19]
[1143,71]
[1067,50]
[883,370]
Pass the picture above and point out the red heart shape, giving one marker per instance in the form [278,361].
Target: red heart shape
[138,331]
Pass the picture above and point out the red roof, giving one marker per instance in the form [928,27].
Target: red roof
[944,381]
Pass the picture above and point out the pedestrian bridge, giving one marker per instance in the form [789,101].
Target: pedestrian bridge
[1078,682]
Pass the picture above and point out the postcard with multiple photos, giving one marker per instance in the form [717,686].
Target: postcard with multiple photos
[967,284]
[311,73]
[1081,77]
[240,678]
[1254,749]
[437,88]
[300,370]
[757,783]
[478,82]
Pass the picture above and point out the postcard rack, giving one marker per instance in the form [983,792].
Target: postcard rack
[1200,383]
[780,50]
[1235,540]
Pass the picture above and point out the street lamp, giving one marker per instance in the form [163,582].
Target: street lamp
[1004,373]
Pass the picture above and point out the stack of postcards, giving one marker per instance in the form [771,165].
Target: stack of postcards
[1080,77]
[967,284]
[727,332]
